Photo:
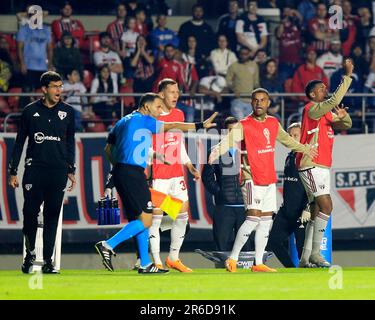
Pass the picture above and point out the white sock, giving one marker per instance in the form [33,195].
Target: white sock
[178,235]
[154,236]
[261,238]
[243,234]
[321,221]
[307,246]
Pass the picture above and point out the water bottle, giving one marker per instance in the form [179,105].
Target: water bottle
[100,212]
[116,211]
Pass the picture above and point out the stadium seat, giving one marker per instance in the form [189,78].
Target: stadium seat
[87,78]
[129,102]
[94,124]
[14,100]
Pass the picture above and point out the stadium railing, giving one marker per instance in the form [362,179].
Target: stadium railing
[361,115]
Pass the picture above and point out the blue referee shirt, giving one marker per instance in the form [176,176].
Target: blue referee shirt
[132,138]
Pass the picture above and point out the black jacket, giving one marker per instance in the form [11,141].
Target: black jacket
[51,141]
[223,181]
[294,194]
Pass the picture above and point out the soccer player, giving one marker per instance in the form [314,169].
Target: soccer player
[132,137]
[293,214]
[259,133]
[318,122]
[169,179]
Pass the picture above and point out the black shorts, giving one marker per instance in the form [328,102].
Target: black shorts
[131,184]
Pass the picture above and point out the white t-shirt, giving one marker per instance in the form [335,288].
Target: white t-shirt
[222,59]
[213,83]
[129,39]
[329,63]
[95,88]
[70,89]
[109,58]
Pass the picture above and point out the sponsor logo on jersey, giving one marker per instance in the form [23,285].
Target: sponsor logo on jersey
[39,137]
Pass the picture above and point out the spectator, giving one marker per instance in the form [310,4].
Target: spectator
[190,84]
[290,43]
[261,59]
[269,79]
[349,31]
[332,60]
[307,8]
[227,24]
[117,27]
[66,57]
[105,56]
[251,30]
[168,67]
[195,56]
[307,72]
[141,26]
[319,31]
[74,86]
[360,62]
[355,87]
[129,38]
[222,57]
[271,4]
[133,5]
[106,107]
[211,87]
[142,63]
[34,48]
[242,78]
[198,28]
[364,27]
[5,70]
[66,23]
[162,36]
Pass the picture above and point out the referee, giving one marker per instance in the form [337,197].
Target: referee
[48,123]
[132,138]
[291,216]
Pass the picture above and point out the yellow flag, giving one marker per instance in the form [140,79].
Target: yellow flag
[168,204]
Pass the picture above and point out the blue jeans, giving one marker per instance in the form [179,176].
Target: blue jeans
[240,109]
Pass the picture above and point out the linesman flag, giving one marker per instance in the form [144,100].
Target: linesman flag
[168,204]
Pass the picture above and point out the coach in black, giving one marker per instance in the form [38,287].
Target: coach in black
[48,124]
[291,217]
[223,181]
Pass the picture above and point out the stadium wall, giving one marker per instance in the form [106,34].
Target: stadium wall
[352,189]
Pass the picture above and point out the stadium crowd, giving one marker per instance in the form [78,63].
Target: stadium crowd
[135,52]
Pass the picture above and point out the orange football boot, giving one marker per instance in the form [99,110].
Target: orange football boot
[262,268]
[177,265]
[231,265]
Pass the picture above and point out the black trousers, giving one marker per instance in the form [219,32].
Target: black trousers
[278,242]
[226,222]
[42,185]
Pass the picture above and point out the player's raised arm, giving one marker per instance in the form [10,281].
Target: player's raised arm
[186,126]
[341,118]
[317,93]
[285,139]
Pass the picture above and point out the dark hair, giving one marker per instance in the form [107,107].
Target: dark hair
[49,76]
[229,120]
[197,5]
[260,90]
[310,87]
[101,88]
[148,97]
[169,45]
[164,83]
[103,35]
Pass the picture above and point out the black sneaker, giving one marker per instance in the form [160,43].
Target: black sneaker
[28,263]
[106,255]
[48,267]
[152,268]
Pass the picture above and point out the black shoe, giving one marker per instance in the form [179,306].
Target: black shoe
[28,263]
[49,268]
[152,268]
[106,255]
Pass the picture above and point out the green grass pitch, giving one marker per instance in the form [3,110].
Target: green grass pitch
[357,283]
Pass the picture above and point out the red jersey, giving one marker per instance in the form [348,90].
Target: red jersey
[116,29]
[290,45]
[260,139]
[73,26]
[168,69]
[169,144]
[317,132]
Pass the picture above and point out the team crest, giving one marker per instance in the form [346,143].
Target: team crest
[61,114]
[356,188]
[28,186]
